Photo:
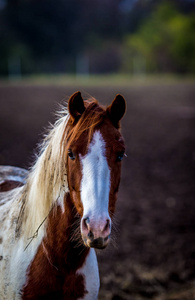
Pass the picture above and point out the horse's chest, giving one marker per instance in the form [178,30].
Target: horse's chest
[91,274]
[55,286]
[51,283]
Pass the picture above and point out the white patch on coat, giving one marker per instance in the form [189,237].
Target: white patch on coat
[91,274]
[15,260]
[95,183]
[15,178]
[13,173]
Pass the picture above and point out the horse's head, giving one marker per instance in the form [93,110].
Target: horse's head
[94,153]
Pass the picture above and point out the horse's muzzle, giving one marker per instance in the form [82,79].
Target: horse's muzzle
[96,232]
[99,243]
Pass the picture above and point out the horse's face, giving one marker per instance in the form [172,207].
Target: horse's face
[94,169]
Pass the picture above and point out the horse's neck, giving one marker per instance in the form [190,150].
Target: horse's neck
[58,257]
[63,241]
[60,249]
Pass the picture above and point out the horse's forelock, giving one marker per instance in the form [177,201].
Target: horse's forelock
[89,120]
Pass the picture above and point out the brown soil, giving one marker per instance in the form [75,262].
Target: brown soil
[154,240]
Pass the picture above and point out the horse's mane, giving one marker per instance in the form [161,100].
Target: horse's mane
[47,181]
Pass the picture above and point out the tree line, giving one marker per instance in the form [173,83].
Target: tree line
[83,36]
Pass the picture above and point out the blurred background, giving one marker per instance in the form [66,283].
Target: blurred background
[145,50]
[129,36]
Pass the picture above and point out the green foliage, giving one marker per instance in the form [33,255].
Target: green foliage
[165,42]
[50,36]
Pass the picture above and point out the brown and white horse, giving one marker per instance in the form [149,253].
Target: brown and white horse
[50,225]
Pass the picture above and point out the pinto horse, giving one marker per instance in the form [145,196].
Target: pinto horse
[51,224]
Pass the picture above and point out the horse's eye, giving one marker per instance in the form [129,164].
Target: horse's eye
[71,154]
[120,155]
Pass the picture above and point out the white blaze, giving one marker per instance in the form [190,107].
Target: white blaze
[95,183]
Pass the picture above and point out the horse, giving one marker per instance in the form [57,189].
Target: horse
[53,217]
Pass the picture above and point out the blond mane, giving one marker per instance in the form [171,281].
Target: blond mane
[47,181]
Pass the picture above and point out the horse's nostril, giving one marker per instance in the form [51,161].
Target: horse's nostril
[107,226]
[92,229]
[91,235]
[85,224]
[87,220]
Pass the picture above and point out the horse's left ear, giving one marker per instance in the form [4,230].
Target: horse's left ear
[76,106]
[116,110]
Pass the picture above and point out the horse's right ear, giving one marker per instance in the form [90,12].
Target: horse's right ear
[76,106]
